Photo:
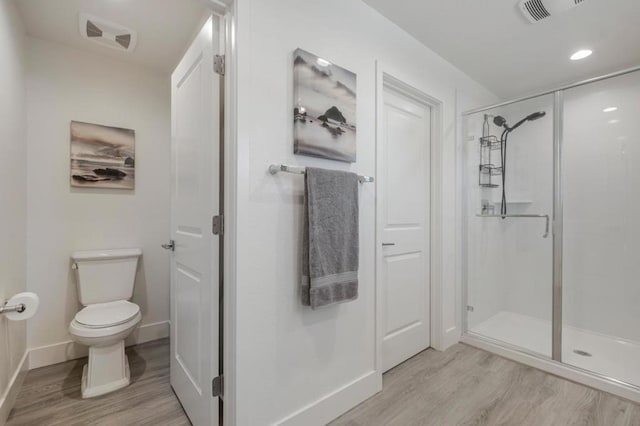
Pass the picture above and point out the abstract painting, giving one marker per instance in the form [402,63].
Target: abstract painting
[324,114]
[102,156]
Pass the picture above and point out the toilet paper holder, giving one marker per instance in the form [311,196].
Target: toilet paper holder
[19,308]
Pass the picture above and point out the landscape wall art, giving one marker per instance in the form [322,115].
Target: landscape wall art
[324,114]
[102,156]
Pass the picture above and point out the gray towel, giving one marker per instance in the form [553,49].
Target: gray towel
[330,241]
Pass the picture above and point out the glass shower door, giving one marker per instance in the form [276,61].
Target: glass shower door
[508,244]
[601,228]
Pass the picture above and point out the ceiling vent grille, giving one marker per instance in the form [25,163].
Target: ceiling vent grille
[536,9]
[107,33]
[539,10]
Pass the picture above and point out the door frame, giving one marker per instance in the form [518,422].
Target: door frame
[228,300]
[385,79]
[226,11]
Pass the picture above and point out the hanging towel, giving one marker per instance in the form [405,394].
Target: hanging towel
[330,240]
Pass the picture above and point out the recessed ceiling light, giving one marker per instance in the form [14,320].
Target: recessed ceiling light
[610,109]
[581,54]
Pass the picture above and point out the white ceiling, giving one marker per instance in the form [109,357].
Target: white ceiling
[492,42]
[165,27]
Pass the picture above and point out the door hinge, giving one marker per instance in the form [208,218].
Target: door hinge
[170,246]
[216,386]
[217,225]
[218,64]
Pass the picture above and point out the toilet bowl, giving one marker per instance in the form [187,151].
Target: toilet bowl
[105,281]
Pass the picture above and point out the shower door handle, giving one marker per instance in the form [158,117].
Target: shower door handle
[388,244]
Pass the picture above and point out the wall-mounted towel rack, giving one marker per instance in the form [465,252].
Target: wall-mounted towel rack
[276,168]
[520,216]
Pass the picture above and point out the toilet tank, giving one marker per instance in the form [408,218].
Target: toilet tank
[105,275]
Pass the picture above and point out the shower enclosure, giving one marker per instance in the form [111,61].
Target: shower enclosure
[565,299]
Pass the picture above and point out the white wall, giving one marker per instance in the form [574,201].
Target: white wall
[12,192]
[294,365]
[63,85]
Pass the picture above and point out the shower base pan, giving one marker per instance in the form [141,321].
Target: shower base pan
[603,362]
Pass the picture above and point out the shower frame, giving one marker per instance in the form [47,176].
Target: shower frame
[554,364]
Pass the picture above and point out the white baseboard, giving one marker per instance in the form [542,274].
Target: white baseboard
[66,351]
[336,403]
[13,388]
[450,337]
[149,332]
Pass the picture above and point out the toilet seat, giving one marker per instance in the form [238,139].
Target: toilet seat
[102,315]
[92,335]
[103,320]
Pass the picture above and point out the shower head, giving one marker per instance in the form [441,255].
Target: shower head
[536,115]
[499,121]
[530,117]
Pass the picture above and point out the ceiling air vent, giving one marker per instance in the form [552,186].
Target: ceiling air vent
[107,33]
[535,10]
[538,10]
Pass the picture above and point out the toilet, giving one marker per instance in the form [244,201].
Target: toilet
[105,281]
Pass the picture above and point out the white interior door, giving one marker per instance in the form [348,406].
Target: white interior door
[194,200]
[405,198]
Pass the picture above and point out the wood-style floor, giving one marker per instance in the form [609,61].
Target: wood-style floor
[467,386]
[462,386]
[51,395]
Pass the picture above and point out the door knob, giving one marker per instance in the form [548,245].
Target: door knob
[388,244]
[171,246]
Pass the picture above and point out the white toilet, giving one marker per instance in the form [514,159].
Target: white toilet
[105,284]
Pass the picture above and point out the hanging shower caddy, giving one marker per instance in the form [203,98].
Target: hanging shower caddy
[488,168]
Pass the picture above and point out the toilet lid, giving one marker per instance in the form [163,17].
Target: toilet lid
[109,314]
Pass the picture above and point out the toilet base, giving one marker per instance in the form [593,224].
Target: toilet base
[106,371]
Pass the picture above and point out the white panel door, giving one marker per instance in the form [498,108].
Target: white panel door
[194,200]
[404,193]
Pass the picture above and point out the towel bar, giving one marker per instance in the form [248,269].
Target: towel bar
[275,168]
